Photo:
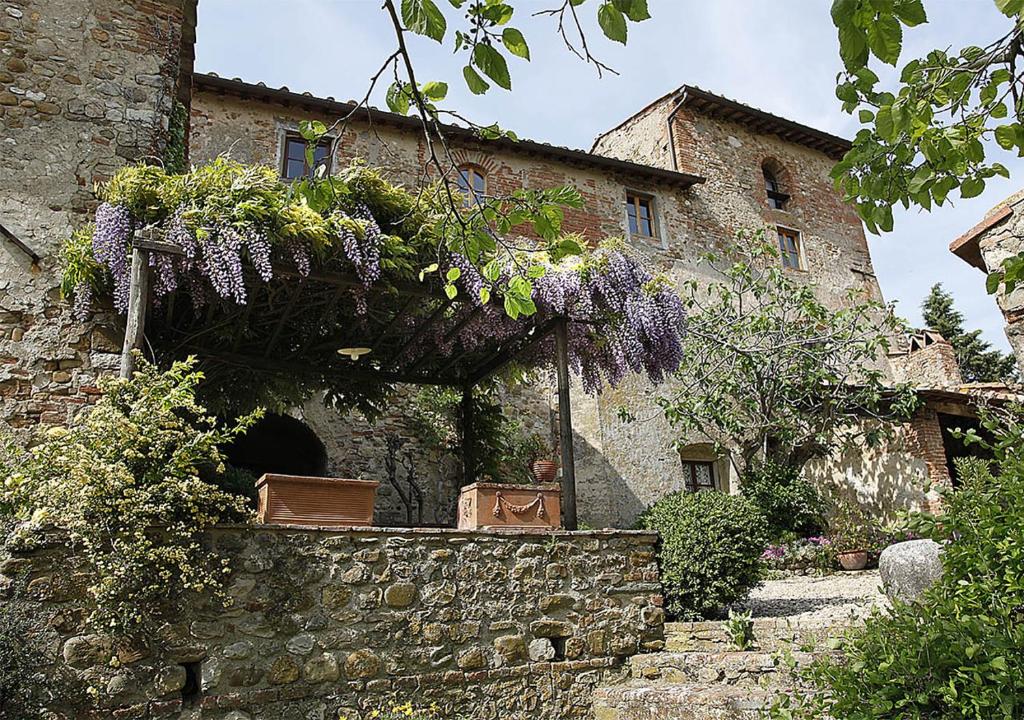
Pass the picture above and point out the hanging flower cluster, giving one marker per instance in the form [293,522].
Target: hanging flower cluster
[622,318]
[232,222]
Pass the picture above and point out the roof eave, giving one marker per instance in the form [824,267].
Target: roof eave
[373,115]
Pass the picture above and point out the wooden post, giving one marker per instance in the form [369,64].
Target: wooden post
[468,436]
[565,425]
[138,299]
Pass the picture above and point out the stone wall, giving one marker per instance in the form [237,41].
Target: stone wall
[999,236]
[85,86]
[485,624]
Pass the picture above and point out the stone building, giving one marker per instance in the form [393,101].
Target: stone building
[997,237]
[87,85]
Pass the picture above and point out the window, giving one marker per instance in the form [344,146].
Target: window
[640,213]
[776,198]
[472,184]
[293,159]
[698,475]
[789,247]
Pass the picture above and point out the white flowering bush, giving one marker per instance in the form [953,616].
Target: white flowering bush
[127,483]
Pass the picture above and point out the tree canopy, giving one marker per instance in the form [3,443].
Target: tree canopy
[929,135]
[770,372]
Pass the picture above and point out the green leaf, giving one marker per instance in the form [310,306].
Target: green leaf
[883,122]
[312,130]
[493,65]
[972,187]
[885,39]
[1006,136]
[843,12]
[485,295]
[515,43]
[1010,7]
[921,177]
[612,22]
[424,18]
[866,116]
[432,267]
[635,10]
[993,281]
[397,99]
[910,12]
[477,85]
[451,291]
[853,46]
[433,90]
[453,274]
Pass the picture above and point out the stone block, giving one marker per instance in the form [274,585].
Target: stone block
[909,568]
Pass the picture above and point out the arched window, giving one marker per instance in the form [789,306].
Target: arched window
[773,188]
[472,184]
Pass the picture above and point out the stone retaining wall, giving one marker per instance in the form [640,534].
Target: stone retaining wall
[327,623]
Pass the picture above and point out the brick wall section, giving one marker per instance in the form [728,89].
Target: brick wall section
[934,365]
[486,624]
[924,438]
[85,86]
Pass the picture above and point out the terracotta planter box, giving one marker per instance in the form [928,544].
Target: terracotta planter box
[491,505]
[853,560]
[332,502]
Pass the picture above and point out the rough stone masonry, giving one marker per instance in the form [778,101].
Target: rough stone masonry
[505,625]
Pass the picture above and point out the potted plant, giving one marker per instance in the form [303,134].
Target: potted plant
[850,534]
[542,467]
[319,501]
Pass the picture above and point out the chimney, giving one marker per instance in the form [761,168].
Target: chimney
[929,361]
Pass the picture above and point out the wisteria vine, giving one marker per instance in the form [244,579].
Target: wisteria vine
[623,319]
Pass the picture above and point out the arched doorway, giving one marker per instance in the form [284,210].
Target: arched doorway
[279,444]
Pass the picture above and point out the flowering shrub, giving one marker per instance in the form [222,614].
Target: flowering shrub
[811,553]
[789,503]
[126,483]
[235,221]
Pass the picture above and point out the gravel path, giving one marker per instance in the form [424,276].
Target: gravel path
[818,599]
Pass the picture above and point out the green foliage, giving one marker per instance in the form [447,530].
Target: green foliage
[790,504]
[710,550]
[850,529]
[978,361]
[928,137]
[740,629]
[313,213]
[125,483]
[487,31]
[502,449]
[959,651]
[769,369]
[174,153]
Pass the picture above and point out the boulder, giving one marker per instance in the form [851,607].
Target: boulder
[909,568]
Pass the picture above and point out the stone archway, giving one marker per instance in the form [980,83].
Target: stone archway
[279,444]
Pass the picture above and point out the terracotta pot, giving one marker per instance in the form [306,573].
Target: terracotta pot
[853,560]
[489,505]
[328,502]
[544,471]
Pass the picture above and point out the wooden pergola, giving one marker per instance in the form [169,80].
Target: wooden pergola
[295,325]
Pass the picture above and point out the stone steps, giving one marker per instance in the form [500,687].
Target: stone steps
[645,700]
[769,634]
[703,676]
[746,669]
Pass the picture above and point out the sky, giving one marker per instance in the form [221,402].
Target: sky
[777,55]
